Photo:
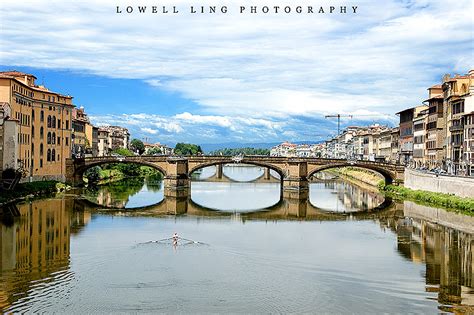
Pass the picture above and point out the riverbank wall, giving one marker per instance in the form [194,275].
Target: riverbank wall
[459,186]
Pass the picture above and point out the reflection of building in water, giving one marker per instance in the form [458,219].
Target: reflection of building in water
[34,246]
[106,198]
[355,197]
[447,253]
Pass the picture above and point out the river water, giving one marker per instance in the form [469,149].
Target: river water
[252,250]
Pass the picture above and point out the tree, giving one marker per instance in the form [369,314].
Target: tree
[154,151]
[137,146]
[93,174]
[123,152]
[187,149]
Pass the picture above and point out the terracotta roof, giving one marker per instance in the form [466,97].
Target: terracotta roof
[15,73]
[438,96]
[437,86]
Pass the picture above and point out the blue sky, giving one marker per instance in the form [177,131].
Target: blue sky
[238,77]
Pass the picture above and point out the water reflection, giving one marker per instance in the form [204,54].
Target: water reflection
[129,193]
[349,197]
[40,269]
[35,251]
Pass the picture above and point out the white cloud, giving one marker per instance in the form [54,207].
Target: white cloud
[251,71]
[149,130]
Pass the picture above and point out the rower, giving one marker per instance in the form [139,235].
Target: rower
[175,238]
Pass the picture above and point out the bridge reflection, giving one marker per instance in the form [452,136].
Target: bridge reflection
[286,208]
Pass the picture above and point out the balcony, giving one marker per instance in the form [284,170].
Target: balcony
[456,128]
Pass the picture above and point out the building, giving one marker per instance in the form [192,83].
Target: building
[395,139]
[284,149]
[435,128]
[419,137]
[103,142]
[455,91]
[110,138]
[44,125]
[384,145]
[157,148]
[80,143]
[406,132]
[8,139]
[468,122]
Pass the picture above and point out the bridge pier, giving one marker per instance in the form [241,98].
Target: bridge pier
[176,179]
[266,173]
[295,179]
[219,171]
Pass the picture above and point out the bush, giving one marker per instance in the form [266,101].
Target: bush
[437,199]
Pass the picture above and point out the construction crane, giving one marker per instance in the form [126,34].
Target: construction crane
[338,116]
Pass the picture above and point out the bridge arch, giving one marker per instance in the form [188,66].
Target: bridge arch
[253,163]
[80,170]
[388,176]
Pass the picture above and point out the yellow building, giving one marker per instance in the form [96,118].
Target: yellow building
[44,133]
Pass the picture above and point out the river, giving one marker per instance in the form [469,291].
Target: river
[246,248]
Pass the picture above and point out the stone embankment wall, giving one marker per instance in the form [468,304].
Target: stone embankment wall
[449,219]
[459,186]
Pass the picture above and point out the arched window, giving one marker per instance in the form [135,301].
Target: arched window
[41,149]
[49,121]
[42,116]
[53,155]
[53,139]
[48,157]
[53,124]
[42,132]
[48,141]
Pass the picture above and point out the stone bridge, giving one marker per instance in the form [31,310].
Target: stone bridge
[294,172]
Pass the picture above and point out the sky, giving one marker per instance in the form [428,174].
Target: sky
[238,77]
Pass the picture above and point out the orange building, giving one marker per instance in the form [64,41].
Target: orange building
[44,133]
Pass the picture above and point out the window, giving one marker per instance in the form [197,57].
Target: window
[53,155]
[33,115]
[42,115]
[48,157]
[49,138]
[53,123]
[59,140]
[49,121]
[53,139]
[67,141]
[41,162]
[41,132]
[67,124]
[32,132]
[41,150]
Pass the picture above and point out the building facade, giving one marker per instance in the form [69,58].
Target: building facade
[8,139]
[44,125]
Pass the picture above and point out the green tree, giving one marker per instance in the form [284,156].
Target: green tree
[137,146]
[123,152]
[93,174]
[187,149]
[154,151]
